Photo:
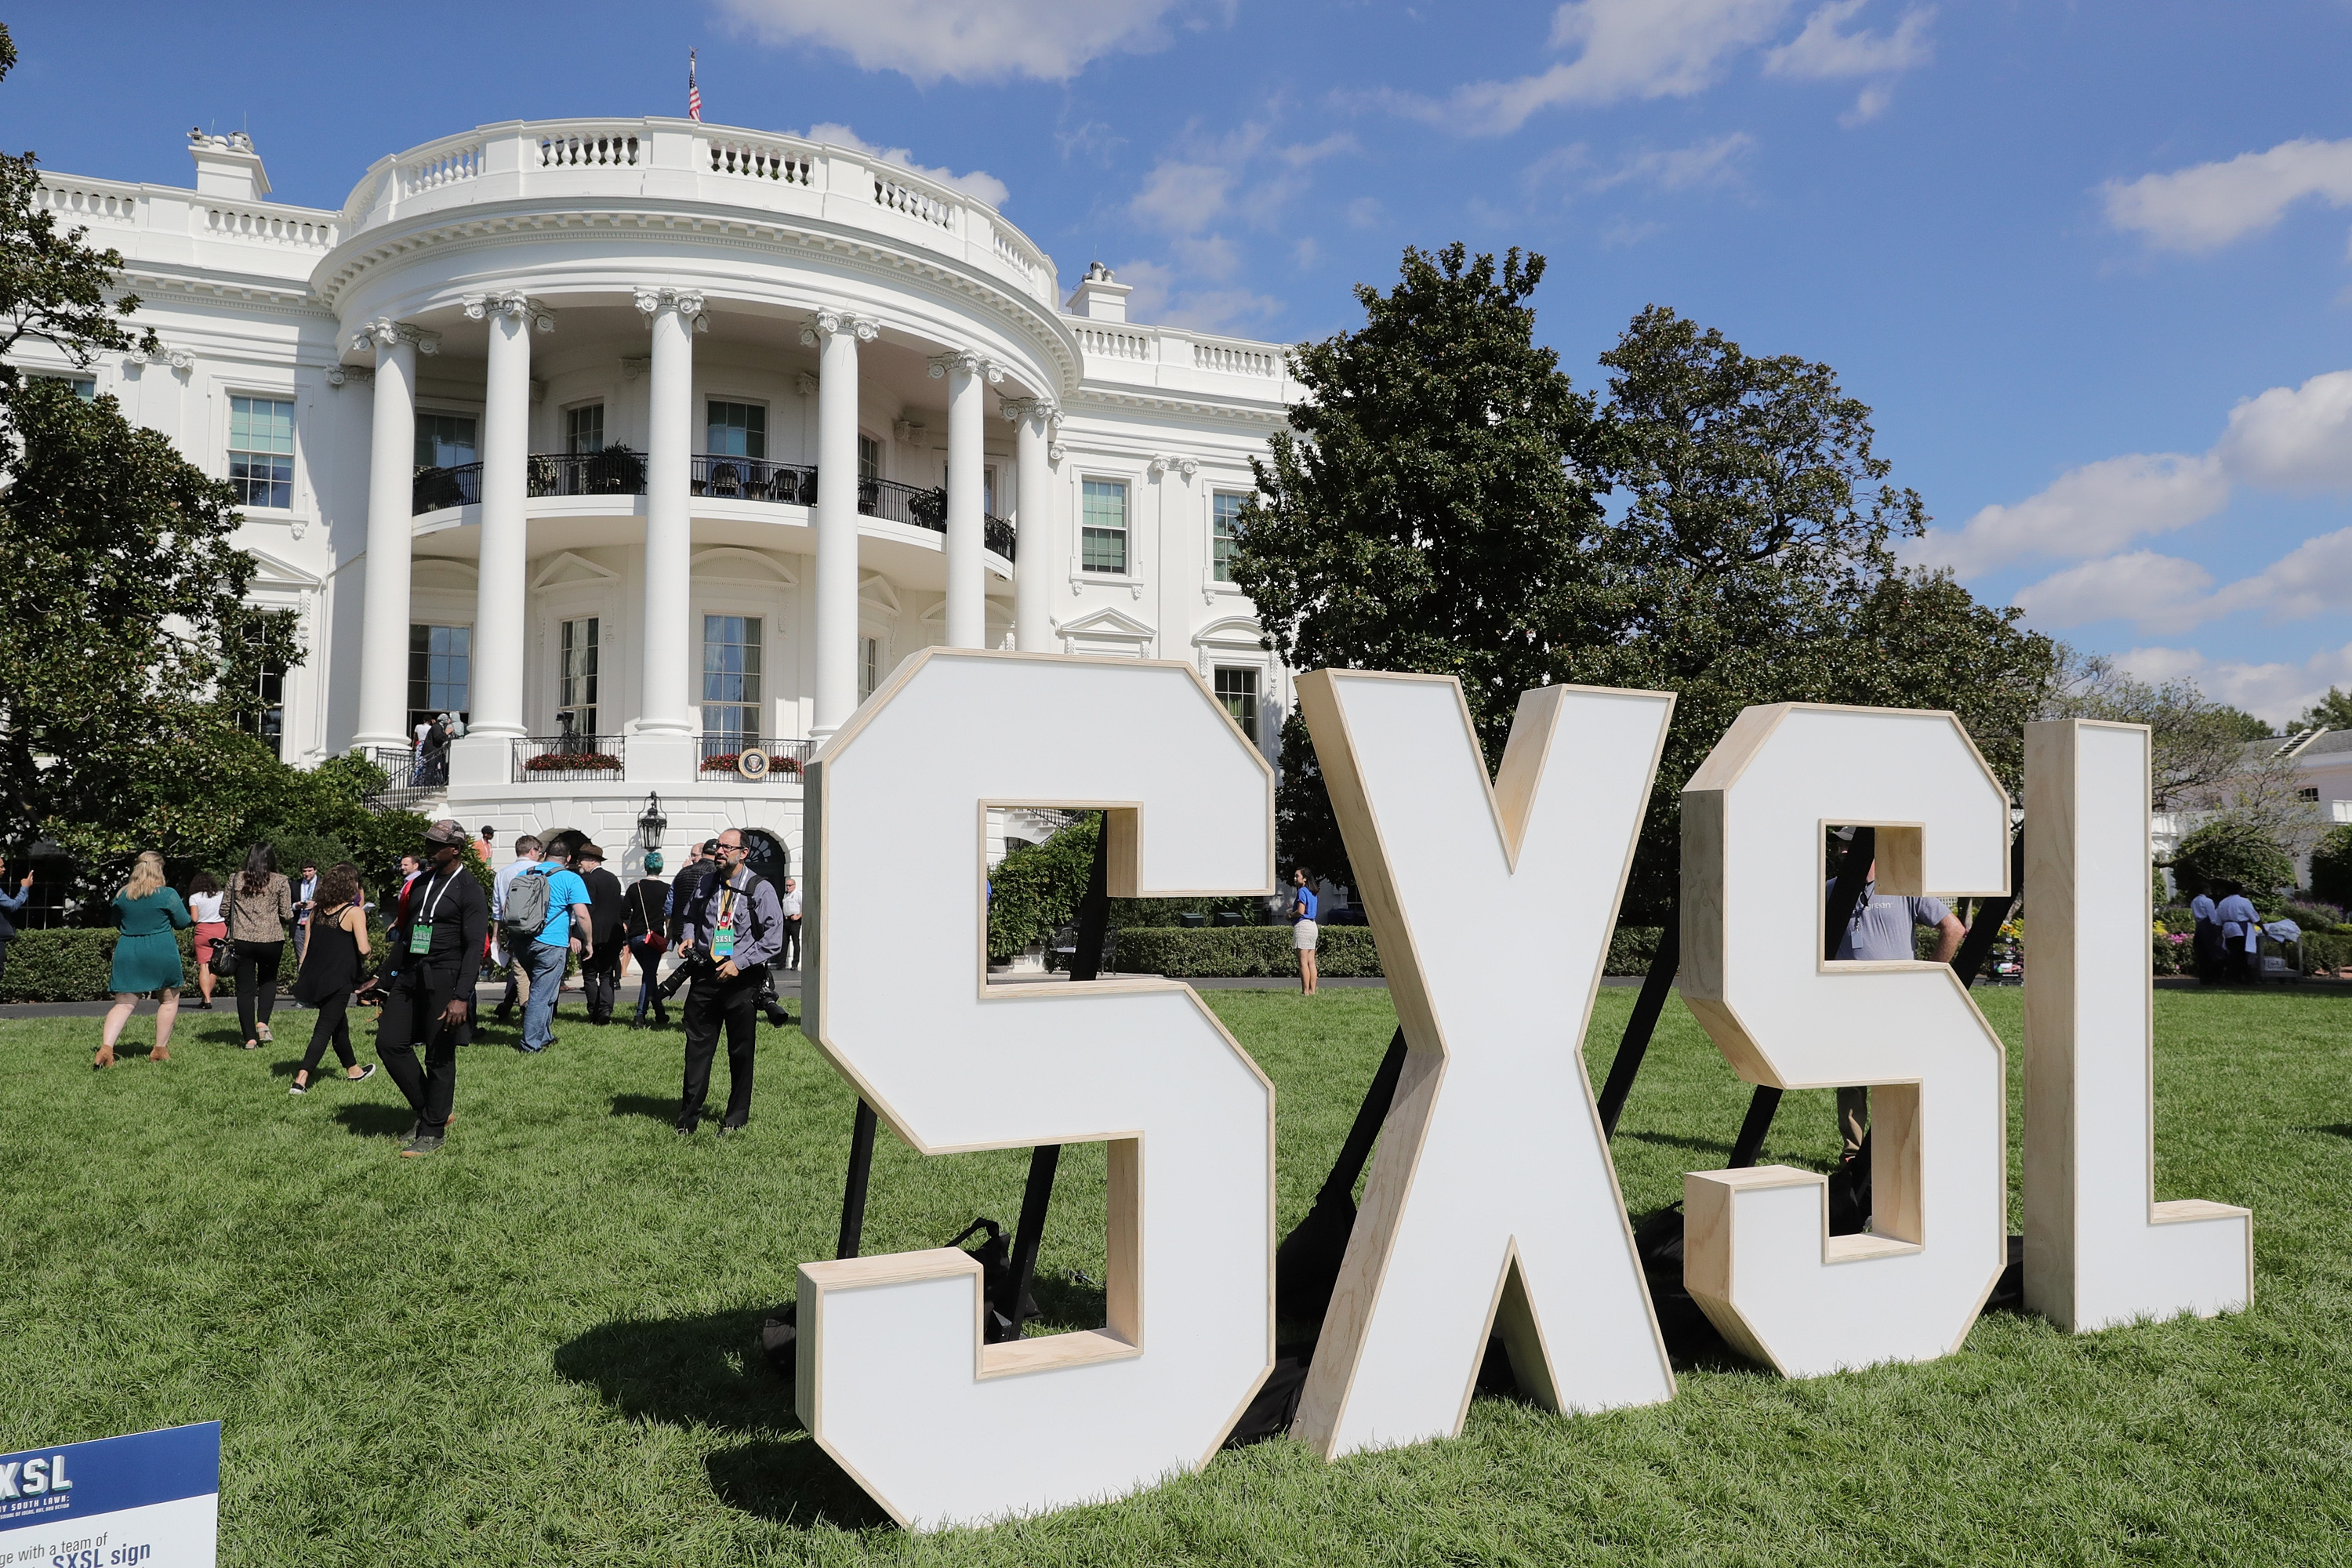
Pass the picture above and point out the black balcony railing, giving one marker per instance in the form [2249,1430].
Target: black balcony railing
[786,758]
[618,471]
[752,479]
[583,757]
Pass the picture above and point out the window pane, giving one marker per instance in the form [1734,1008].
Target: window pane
[869,458]
[584,429]
[1102,534]
[261,451]
[444,441]
[1237,689]
[730,676]
[1224,529]
[440,669]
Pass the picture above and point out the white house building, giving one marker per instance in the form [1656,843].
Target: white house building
[640,442]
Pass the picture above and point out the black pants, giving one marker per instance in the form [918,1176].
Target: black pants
[4,959]
[413,1005]
[599,977]
[709,1003]
[257,978]
[331,1025]
[790,956]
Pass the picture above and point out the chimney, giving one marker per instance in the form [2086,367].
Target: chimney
[228,166]
[1102,297]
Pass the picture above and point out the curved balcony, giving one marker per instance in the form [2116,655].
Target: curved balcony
[618,471]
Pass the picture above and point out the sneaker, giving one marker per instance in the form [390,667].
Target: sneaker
[685,1129]
[297,1089]
[423,1144]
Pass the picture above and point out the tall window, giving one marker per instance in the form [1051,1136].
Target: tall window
[440,672]
[576,685]
[1224,532]
[445,441]
[869,458]
[1237,689]
[870,666]
[730,675]
[266,715]
[261,451]
[738,430]
[1102,535]
[583,430]
[84,387]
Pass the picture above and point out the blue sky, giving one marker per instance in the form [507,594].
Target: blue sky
[2088,261]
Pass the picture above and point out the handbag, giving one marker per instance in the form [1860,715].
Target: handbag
[225,949]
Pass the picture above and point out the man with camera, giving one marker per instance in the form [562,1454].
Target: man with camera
[733,926]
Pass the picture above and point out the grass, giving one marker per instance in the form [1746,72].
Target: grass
[537,1346]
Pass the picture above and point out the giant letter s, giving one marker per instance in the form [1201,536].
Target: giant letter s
[894,1381]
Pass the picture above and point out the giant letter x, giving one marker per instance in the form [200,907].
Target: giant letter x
[1493,1207]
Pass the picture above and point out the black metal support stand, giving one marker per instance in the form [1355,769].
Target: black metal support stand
[1094,910]
[1985,930]
[853,1192]
[1306,1264]
[1642,1024]
[1036,1196]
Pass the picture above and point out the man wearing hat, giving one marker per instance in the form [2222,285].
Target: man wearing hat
[435,957]
[648,928]
[599,966]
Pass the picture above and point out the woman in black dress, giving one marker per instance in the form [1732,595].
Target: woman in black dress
[332,963]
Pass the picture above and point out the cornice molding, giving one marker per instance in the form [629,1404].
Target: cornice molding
[384,333]
[512,303]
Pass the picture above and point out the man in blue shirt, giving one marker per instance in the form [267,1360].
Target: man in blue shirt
[570,929]
[2242,928]
[2205,946]
[1880,930]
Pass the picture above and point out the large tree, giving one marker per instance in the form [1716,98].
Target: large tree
[1721,527]
[126,654]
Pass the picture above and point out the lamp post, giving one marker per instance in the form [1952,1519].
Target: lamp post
[651,822]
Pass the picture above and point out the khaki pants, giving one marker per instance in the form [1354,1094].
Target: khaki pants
[1854,1119]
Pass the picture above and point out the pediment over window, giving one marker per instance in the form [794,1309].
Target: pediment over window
[1105,631]
[568,570]
[731,560]
[874,591]
[1233,632]
[277,573]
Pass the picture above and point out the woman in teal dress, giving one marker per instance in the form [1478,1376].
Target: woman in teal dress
[146,956]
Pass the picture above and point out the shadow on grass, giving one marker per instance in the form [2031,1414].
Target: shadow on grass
[2339,1129]
[708,1370]
[1068,1304]
[373,1118]
[661,1108]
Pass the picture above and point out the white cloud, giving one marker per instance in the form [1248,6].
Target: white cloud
[1159,297]
[1868,105]
[2276,692]
[1366,212]
[1822,52]
[2159,593]
[979,184]
[1182,198]
[2294,439]
[1710,162]
[1626,48]
[2090,511]
[968,40]
[2315,578]
[2210,205]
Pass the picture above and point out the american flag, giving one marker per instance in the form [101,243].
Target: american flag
[693,93]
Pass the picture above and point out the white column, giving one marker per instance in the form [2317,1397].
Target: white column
[837,334]
[503,564]
[1033,544]
[392,468]
[662,750]
[967,481]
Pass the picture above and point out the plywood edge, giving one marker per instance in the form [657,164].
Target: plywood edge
[2195,1210]
[1047,1353]
[889,1268]
[1862,1248]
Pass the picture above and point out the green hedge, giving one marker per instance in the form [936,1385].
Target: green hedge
[1343,952]
[74,964]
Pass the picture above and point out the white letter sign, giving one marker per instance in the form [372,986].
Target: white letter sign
[2099,1250]
[1493,1205]
[1758,1255]
[894,1381]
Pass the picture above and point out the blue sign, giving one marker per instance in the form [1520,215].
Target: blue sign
[152,1500]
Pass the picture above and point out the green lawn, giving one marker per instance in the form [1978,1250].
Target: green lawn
[536,1347]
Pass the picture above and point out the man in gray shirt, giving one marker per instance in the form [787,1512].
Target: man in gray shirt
[1880,928]
[734,920]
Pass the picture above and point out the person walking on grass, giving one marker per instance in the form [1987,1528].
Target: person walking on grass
[648,928]
[1304,931]
[734,922]
[600,965]
[11,904]
[306,896]
[503,952]
[204,909]
[428,1002]
[332,963]
[569,929]
[146,957]
[260,904]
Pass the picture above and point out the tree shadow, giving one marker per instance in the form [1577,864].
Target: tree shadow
[1675,1141]
[373,1119]
[2339,1129]
[661,1108]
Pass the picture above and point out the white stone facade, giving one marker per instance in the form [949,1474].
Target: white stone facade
[412,389]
